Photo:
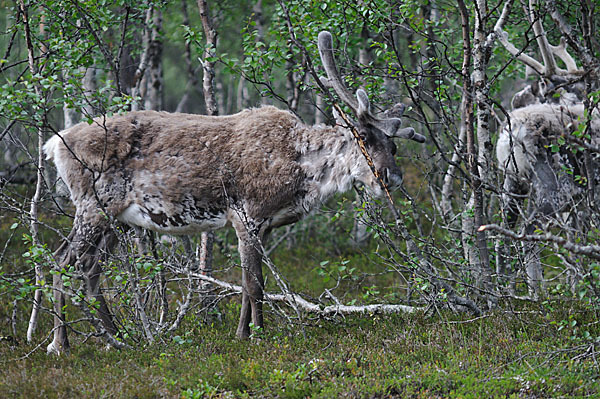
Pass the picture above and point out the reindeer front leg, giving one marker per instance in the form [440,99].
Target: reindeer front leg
[252,283]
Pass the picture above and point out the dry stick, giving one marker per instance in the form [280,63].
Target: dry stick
[108,337]
[307,306]
[39,274]
[183,307]
[280,281]
[140,307]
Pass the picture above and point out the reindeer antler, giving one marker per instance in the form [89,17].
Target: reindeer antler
[325,44]
[548,67]
[360,104]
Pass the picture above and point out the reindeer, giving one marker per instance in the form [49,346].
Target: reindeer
[178,173]
[529,149]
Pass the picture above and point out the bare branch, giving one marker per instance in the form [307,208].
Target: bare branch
[593,251]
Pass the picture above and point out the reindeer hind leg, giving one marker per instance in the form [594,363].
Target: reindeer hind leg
[64,257]
[98,239]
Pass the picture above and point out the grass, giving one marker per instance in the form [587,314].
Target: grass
[404,356]
[542,351]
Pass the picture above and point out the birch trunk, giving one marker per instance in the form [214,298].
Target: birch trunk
[260,35]
[478,147]
[154,74]
[139,79]
[207,238]
[33,211]
[191,72]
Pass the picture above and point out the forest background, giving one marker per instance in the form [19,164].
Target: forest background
[414,300]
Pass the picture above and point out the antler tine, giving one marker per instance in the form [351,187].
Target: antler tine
[389,125]
[561,52]
[325,44]
[548,51]
[550,67]
[503,39]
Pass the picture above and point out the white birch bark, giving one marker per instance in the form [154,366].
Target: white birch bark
[33,210]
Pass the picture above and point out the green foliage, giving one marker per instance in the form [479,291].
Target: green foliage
[417,58]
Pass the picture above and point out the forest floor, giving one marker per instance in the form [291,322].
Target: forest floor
[500,355]
[547,349]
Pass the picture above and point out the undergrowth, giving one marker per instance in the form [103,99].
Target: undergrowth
[501,355]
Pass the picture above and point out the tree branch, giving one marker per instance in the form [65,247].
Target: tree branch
[593,251]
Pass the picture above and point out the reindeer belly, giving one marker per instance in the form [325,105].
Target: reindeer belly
[186,222]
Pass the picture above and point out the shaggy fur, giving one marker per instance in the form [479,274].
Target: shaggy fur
[181,173]
[524,148]
[178,170]
[527,154]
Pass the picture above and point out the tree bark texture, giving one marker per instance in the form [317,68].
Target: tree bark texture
[207,238]
[35,201]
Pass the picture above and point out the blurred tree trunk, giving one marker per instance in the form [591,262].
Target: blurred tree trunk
[257,14]
[191,71]
[319,108]
[291,84]
[242,95]
[153,78]
[138,80]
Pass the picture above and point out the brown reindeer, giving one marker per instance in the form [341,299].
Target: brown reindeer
[530,148]
[180,174]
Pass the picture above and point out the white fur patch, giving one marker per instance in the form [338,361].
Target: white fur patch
[137,216]
[52,150]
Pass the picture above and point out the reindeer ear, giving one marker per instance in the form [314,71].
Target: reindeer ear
[524,98]
[364,106]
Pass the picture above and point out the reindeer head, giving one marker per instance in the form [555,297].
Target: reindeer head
[376,132]
[555,89]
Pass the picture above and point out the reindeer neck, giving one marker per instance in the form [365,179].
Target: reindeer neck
[331,162]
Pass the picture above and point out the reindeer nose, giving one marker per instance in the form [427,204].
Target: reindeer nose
[392,178]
